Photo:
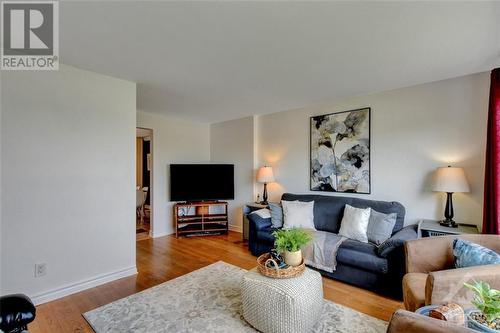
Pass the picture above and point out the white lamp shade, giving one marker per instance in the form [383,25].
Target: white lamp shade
[450,179]
[265,175]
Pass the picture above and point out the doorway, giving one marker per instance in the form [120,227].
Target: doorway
[143,183]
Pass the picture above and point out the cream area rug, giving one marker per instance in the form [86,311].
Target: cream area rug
[207,300]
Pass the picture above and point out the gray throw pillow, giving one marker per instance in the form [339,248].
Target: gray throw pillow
[380,226]
[276,215]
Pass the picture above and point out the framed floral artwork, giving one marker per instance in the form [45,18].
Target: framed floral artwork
[340,152]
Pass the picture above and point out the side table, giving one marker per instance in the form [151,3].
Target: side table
[429,228]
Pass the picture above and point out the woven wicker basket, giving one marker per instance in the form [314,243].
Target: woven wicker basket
[276,273]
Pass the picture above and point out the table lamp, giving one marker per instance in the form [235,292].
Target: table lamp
[450,180]
[265,175]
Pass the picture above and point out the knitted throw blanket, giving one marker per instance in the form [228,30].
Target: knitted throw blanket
[321,252]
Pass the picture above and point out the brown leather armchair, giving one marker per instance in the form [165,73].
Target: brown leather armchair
[408,322]
[431,277]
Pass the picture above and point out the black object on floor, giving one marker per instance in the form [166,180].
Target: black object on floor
[16,312]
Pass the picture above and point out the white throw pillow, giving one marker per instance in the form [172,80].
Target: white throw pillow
[354,224]
[298,214]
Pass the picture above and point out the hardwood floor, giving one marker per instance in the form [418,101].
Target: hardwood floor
[142,231]
[143,225]
[165,258]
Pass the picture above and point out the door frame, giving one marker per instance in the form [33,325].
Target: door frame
[151,179]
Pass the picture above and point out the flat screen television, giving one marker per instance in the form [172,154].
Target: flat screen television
[201,182]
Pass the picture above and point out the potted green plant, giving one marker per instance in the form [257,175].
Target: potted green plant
[486,318]
[289,242]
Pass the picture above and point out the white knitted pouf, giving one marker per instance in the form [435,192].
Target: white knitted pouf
[282,305]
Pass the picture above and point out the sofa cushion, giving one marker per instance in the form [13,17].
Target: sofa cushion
[354,245]
[329,210]
[361,255]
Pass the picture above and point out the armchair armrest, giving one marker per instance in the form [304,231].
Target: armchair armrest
[259,223]
[397,240]
[432,254]
[448,285]
[409,322]
[429,254]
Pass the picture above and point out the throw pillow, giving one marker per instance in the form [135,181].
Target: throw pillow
[298,214]
[469,254]
[354,224]
[264,213]
[380,226]
[276,214]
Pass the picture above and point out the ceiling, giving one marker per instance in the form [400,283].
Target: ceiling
[214,61]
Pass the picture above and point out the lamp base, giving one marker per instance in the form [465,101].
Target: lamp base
[448,212]
[264,195]
[448,223]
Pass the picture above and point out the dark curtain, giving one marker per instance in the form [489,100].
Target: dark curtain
[491,214]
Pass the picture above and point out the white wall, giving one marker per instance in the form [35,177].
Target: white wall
[174,141]
[233,142]
[413,131]
[67,140]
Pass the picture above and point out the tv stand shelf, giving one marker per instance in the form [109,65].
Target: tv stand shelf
[200,218]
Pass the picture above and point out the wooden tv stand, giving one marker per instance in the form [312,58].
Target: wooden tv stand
[201,218]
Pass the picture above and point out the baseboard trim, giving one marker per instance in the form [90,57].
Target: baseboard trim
[82,285]
[162,234]
[235,228]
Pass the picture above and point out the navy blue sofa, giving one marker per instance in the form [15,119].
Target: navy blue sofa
[378,268]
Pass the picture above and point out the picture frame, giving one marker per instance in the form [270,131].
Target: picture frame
[340,152]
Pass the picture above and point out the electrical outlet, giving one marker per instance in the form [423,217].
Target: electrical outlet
[40,269]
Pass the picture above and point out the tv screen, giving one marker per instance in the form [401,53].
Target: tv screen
[201,182]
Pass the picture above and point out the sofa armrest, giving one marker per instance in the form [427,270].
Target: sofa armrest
[16,310]
[448,285]
[259,223]
[397,240]
[409,322]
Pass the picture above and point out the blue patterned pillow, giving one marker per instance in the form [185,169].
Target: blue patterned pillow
[469,254]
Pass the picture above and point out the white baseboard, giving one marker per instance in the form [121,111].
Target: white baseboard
[161,234]
[82,285]
[236,228]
